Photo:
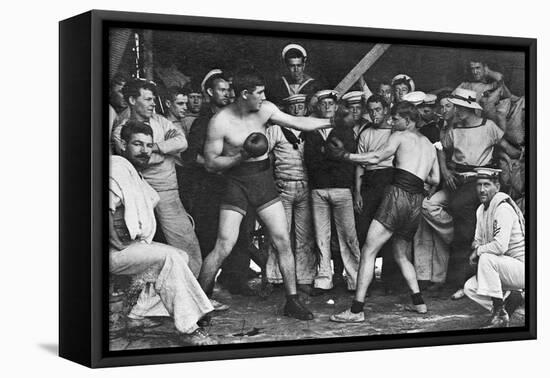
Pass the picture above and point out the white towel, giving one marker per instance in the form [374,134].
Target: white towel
[138,197]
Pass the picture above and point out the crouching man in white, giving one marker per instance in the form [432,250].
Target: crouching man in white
[498,250]
[132,252]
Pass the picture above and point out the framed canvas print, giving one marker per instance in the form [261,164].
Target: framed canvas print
[234,188]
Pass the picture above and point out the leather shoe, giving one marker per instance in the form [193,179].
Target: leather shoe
[205,321]
[198,337]
[296,309]
[499,319]
[513,301]
[142,323]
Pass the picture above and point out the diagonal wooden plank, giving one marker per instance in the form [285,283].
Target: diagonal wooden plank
[360,68]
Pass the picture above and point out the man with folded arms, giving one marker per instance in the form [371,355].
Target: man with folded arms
[236,144]
[498,251]
[398,214]
[160,173]
[132,252]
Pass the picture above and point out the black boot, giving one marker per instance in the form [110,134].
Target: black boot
[296,309]
[513,301]
[499,319]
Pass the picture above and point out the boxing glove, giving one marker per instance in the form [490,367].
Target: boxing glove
[336,149]
[343,118]
[255,145]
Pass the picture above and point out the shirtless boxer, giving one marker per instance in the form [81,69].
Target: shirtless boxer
[236,144]
[399,212]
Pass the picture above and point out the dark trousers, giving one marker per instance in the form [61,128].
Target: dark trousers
[463,205]
[372,192]
[205,205]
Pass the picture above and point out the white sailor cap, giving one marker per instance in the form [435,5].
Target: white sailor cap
[325,93]
[487,173]
[353,97]
[293,46]
[430,99]
[415,98]
[465,97]
[215,71]
[295,99]
[403,78]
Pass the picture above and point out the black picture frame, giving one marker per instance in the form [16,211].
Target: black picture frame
[83,191]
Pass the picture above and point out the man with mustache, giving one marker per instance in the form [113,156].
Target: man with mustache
[160,173]
[175,291]
[498,251]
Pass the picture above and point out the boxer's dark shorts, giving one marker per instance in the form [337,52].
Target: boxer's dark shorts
[401,206]
[250,184]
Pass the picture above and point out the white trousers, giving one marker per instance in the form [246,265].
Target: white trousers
[495,275]
[432,239]
[176,290]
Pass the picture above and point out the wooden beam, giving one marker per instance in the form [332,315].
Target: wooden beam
[364,64]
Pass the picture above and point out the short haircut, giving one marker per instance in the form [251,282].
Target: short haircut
[118,79]
[135,127]
[175,91]
[406,109]
[477,59]
[403,80]
[294,53]
[132,88]
[248,80]
[377,98]
[495,179]
[193,87]
[442,95]
[382,81]
[211,82]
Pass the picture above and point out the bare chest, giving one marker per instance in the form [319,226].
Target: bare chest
[238,129]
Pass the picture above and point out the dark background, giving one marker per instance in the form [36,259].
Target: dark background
[194,54]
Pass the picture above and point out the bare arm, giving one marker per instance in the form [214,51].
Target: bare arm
[375,157]
[213,149]
[496,76]
[298,123]
[357,198]
[510,150]
[447,174]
